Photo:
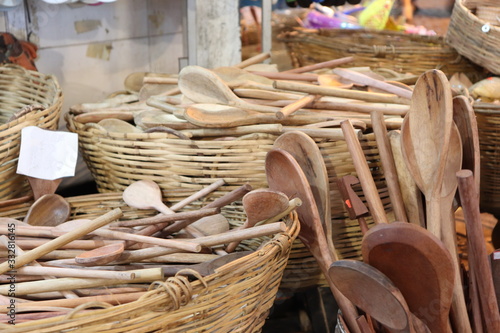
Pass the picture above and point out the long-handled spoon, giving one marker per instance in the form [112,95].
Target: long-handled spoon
[204,86]
[368,288]
[285,174]
[306,152]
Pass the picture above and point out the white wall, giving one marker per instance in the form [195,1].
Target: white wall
[91,49]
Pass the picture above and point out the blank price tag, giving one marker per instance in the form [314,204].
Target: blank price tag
[47,154]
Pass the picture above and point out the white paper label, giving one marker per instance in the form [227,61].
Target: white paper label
[496,255]
[47,154]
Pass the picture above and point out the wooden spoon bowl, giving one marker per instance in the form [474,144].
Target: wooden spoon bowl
[49,210]
[101,256]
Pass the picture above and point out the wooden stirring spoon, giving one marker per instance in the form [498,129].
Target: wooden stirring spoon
[145,194]
[402,250]
[368,288]
[260,205]
[285,174]
[425,137]
[204,86]
[306,152]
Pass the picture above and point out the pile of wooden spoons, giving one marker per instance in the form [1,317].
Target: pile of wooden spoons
[436,152]
[232,101]
[58,264]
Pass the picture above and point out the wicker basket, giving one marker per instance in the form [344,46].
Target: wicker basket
[474,38]
[403,53]
[181,167]
[236,298]
[488,123]
[21,88]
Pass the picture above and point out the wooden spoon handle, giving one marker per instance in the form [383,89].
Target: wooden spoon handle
[74,272]
[344,93]
[365,177]
[253,60]
[389,166]
[161,218]
[172,243]
[292,107]
[287,76]
[114,299]
[95,117]
[33,287]
[369,81]
[61,240]
[482,268]
[411,195]
[320,65]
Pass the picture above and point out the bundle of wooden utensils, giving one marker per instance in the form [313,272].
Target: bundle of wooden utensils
[231,101]
[53,263]
[410,279]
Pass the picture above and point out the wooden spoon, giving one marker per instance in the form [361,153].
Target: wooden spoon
[101,255]
[418,264]
[49,210]
[425,137]
[307,154]
[365,79]
[62,240]
[481,266]
[118,126]
[368,288]
[285,174]
[465,119]
[411,195]
[259,205]
[453,164]
[145,194]
[204,86]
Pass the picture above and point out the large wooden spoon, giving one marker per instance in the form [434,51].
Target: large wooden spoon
[418,264]
[306,152]
[259,205]
[48,210]
[204,86]
[368,288]
[220,116]
[285,174]
[425,137]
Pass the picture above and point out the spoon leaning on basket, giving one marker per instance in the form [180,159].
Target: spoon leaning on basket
[285,174]
[260,205]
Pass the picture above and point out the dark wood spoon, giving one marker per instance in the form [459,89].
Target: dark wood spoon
[285,174]
[418,263]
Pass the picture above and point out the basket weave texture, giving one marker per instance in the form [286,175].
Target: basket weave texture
[21,88]
[181,167]
[474,38]
[488,122]
[236,298]
[403,53]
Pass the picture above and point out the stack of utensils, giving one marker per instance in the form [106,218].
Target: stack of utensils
[410,278]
